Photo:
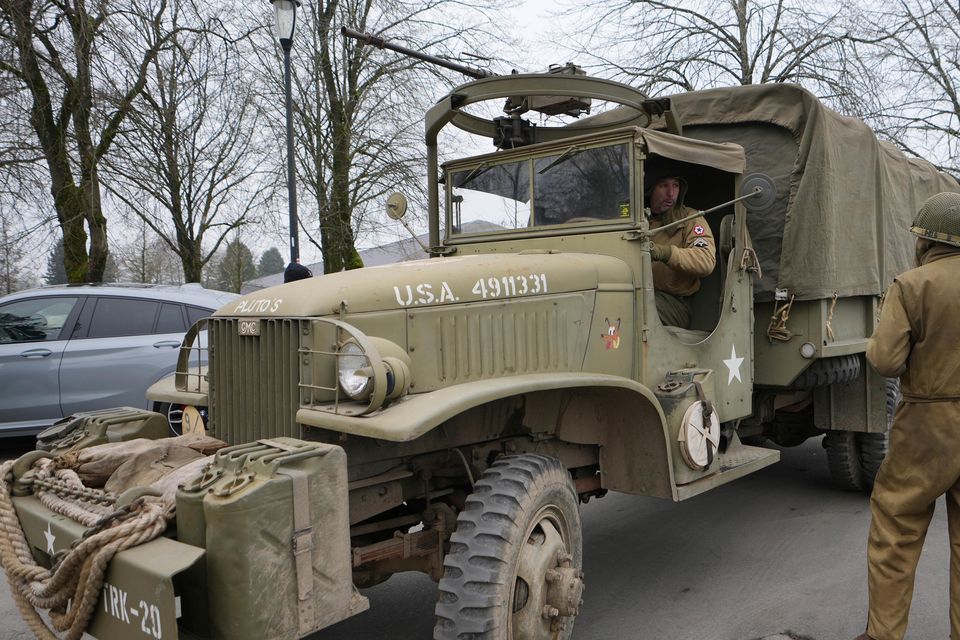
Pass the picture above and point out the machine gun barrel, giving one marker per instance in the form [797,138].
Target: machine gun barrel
[381,43]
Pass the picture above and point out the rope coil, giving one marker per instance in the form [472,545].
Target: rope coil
[71,588]
[777,330]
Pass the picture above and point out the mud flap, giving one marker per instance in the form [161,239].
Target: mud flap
[138,599]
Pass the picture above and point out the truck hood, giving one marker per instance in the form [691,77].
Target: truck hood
[434,282]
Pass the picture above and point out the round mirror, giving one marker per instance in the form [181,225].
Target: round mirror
[396,205]
[763,190]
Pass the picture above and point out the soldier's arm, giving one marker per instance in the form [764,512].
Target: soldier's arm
[890,343]
[697,256]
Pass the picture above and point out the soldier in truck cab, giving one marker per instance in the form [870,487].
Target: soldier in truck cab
[681,255]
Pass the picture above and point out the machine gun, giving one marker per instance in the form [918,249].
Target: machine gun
[512,130]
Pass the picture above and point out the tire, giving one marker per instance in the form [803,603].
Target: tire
[874,446]
[173,414]
[826,371]
[513,571]
[855,458]
[843,458]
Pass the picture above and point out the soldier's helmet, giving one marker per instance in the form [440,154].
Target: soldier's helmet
[939,219]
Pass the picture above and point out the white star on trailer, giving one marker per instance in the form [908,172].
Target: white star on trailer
[733,365]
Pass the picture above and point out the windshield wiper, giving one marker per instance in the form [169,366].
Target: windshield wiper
[563,157]
[473,174]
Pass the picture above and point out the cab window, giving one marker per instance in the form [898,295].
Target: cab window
[573,185]
[582,186]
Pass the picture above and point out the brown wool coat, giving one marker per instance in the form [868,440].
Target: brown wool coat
[918,335]
[918,339]
[694,253]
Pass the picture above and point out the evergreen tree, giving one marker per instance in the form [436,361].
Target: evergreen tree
[236,267]
[270,262]
[13,276]
[56,272]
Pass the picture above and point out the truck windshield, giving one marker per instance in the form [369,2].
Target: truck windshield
[575,185]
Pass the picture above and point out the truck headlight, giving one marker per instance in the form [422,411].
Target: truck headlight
[354,371]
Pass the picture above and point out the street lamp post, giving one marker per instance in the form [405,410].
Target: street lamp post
[286,22]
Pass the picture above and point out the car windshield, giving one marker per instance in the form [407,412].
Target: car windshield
[575,185]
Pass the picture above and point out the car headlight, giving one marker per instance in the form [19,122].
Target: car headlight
[354,371]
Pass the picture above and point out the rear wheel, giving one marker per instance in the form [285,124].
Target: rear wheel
[513,571]
[855,458]
[843,458]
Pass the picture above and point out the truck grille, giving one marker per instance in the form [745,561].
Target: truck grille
[254,380]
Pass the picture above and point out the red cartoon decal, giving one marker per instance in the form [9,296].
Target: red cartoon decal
[612,337]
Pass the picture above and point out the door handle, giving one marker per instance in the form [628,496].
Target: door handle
[36,353]
[166,344]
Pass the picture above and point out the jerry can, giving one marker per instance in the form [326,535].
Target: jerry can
[90,428]
[273,518]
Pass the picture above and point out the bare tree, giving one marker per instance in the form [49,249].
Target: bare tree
[189,159]
[65,53]
[659,45]
[13,272]
[147,259]
[358,109]
[914,46]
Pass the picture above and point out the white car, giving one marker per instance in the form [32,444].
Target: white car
[74,348]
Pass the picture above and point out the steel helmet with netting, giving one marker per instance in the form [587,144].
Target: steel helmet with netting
[939,219]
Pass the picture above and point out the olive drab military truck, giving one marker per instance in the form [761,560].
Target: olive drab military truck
[448,415]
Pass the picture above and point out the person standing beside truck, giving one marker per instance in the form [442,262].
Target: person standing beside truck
[681,255]
[916,339]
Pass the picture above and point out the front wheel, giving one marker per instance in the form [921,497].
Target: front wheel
[514,569]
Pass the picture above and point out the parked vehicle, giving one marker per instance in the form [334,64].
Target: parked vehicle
[448,415]
[74,348]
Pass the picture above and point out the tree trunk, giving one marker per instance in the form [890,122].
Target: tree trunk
[339,252]
[68,203]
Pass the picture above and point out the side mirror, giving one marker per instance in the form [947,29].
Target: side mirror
[396,209]
[396,206]
[758,191]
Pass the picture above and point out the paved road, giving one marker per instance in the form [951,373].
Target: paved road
[779,550]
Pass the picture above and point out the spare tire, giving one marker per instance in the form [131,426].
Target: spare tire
[829,371]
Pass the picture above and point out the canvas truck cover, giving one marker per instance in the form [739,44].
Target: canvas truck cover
[845,200]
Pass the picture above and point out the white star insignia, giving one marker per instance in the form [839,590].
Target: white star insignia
[733,364]
[48,534]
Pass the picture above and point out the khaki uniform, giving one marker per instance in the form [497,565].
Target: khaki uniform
[694,256]
[917,339]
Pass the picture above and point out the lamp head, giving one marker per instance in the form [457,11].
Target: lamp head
[285,19]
